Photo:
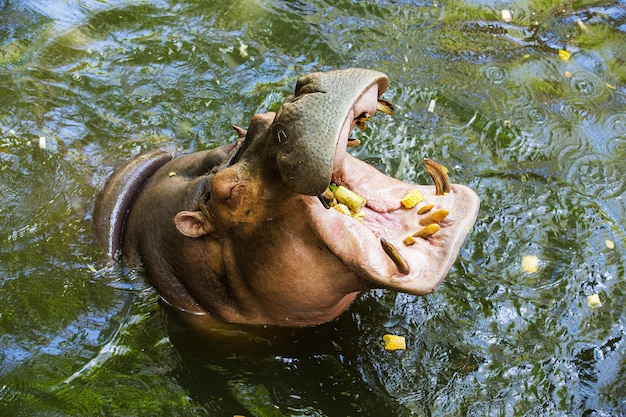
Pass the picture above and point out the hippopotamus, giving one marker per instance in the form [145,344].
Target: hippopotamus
[249,233]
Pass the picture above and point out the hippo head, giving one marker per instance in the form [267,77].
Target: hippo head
[246,233]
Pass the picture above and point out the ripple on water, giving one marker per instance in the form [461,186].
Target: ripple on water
[579,111]
[566,145]
[591,174]
[587,85]
[495,74]
[616,124]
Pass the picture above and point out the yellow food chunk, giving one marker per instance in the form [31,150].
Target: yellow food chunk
[411,199]
[593,301]
[342,208]
[530,263]
[348,197]
[564,55]
[393,342]
[409,240]
[360,216]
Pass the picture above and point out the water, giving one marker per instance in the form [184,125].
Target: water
[542,139]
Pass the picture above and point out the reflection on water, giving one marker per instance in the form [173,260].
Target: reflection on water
[540,136]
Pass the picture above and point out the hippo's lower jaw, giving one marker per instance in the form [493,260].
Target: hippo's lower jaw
[357,242]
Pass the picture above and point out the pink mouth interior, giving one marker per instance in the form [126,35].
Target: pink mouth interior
[358,245]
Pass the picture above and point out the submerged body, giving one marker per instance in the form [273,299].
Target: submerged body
[239,233]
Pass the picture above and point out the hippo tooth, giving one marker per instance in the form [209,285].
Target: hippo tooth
[425,208]
[434,217]
[394,255]
[439,174]
[361,119]
[353,142]
[385,106]
[427,231]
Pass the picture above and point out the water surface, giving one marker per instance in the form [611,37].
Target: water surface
[540,135]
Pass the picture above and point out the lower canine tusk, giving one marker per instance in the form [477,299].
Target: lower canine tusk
[439,174]
[398,260]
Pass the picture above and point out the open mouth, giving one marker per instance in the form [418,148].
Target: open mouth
[400,236]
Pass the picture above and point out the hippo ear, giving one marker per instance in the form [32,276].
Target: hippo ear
[192,223]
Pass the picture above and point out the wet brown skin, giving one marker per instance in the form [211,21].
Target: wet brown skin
[224,235]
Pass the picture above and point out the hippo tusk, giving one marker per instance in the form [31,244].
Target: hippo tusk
[439,174]
[398,260]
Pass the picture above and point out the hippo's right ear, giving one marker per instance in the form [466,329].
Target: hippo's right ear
[193,223]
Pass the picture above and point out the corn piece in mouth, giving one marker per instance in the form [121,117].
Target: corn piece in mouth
[348,197]
[411,199]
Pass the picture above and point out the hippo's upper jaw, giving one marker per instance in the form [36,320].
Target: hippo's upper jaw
[243,234]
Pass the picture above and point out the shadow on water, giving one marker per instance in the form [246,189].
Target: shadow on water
[530,113]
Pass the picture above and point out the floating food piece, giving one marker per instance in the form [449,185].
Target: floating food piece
[348,197]
[439,174]
[385,106]
[593,301]
[171,174]
[409,240]
[568,74]
[564,55]
[394,255]
[411,199]
[431,105]
[506,15]
[609,244]
[42,142]
[434,217]
[425,208]
[427,231]
[530,263]
[393,342]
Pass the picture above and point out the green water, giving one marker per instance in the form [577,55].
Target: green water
[87,85]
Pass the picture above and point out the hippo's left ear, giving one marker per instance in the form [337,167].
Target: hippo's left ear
[192,223]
